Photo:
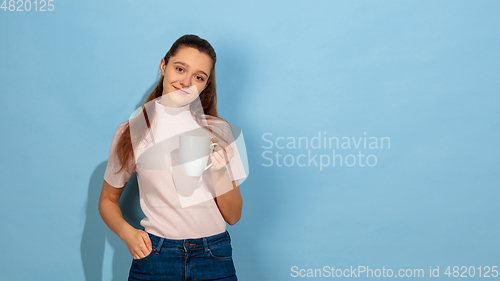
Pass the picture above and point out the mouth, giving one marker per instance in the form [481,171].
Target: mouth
[180,90]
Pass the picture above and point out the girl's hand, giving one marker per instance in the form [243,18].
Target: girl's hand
[138,243]
[221,156]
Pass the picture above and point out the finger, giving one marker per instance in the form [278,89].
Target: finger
[222,143]
[218,154]
[218,148]
[229,150]
[147,241]
[215,161]
[218,163]
[229,154]
[220,159]
[143,251]
[224,156]
[139,253]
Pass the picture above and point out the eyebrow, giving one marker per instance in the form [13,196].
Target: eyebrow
[187,65]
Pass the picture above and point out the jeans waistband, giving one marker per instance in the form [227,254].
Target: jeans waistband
[189,244]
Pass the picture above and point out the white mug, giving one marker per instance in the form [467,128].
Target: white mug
[194,152]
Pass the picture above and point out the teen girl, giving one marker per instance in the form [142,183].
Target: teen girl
[178,242]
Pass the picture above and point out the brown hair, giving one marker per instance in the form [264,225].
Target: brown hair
[208,98]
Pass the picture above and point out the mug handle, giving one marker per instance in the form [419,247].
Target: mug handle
[212,145]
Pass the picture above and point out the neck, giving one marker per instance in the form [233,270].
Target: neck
[180,112]
[168,103]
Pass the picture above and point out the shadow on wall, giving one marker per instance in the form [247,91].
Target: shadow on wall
[95,232]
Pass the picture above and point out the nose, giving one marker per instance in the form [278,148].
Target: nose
[185,81]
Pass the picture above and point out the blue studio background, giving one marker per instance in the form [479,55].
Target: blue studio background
[371,129]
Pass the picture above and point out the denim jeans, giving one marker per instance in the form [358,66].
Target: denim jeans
[208,258]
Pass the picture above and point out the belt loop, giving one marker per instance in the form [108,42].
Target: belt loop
[205,245]
[158,246]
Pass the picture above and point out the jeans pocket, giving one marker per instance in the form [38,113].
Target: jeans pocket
[146,257]
[222,251]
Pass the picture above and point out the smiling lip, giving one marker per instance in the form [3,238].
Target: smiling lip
[182,91]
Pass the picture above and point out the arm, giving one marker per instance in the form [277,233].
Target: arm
[137,241]
[227,192]
[229,202]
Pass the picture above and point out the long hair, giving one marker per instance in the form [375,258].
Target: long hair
[208,97]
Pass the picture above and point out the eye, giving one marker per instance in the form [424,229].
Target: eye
[200,78]
[179,69]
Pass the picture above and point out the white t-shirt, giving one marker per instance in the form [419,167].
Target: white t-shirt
[165,216]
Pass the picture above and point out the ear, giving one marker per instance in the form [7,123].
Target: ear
[162,66]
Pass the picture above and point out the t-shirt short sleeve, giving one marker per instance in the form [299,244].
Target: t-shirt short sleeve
[111,176]
[235,166]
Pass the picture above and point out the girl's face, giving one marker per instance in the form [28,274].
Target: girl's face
[185,76]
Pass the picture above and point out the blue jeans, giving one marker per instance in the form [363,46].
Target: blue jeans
[208,258]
